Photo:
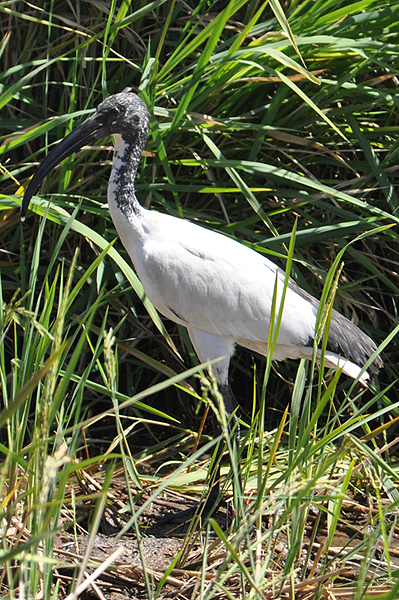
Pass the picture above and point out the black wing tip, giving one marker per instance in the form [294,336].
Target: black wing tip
[358,350]
[376,365]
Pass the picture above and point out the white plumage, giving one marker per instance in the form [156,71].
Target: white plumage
[218,288]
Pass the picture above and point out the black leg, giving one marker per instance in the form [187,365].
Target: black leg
[233,429]
[174,521]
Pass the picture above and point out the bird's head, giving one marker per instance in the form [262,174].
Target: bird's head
[124,114]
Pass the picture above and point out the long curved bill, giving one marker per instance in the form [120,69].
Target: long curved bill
[88,132]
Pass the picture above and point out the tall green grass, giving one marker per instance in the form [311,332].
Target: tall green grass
[260,121]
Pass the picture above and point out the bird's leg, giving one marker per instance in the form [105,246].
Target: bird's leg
[212,347]
[173,522]
[233,431]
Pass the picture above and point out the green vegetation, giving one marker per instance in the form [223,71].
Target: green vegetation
[258,127]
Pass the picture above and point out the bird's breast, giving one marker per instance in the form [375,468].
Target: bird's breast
[200,278]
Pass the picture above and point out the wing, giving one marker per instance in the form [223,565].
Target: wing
[210,283]
[197,277]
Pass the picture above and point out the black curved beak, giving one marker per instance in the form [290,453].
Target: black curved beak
[88,132]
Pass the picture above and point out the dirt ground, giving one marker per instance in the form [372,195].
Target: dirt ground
[172,562]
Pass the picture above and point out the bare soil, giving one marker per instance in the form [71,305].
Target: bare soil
[175,564]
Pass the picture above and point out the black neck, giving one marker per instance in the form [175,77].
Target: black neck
[126,161]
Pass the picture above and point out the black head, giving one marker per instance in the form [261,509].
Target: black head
[124,114]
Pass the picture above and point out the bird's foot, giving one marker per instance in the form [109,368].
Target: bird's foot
[178,524]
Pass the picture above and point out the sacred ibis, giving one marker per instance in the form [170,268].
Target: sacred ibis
[219,289]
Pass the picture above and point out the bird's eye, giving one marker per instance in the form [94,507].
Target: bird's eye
[116,111]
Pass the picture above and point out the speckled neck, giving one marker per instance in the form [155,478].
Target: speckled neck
[121,190]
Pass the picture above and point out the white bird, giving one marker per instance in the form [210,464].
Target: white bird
[219,289]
